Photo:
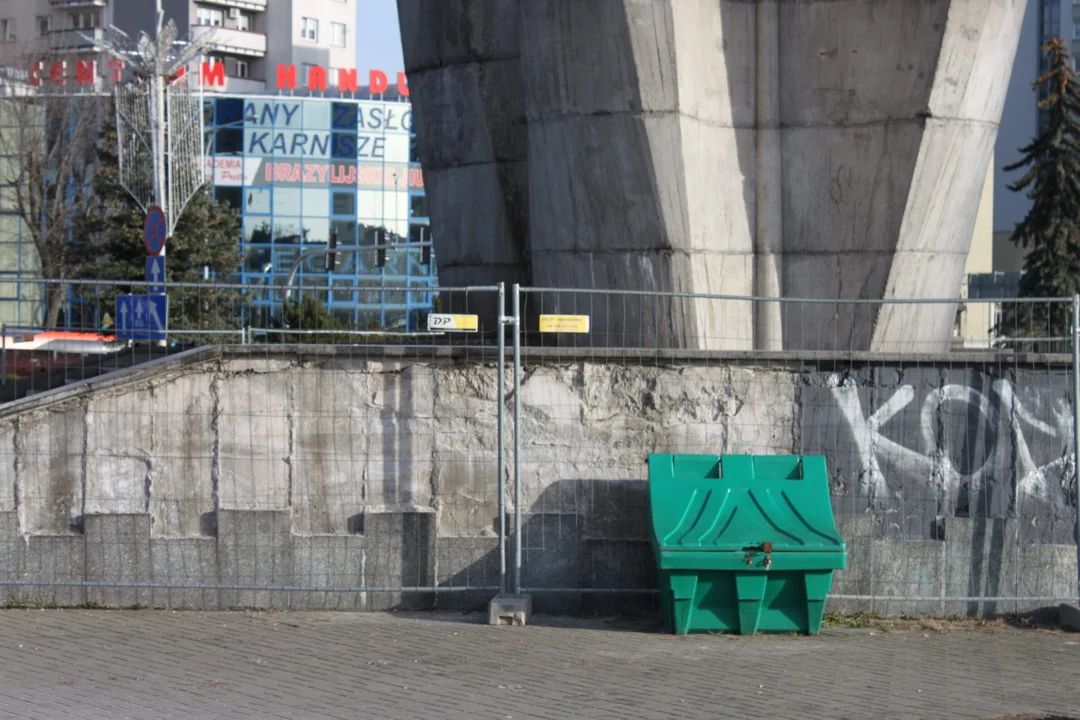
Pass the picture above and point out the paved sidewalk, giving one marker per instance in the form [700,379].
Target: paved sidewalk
[157,664]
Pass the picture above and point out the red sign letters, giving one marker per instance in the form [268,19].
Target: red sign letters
[213,75]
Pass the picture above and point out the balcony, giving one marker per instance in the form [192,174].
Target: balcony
[232,42]
[252,5]
[77,3]
[71,40]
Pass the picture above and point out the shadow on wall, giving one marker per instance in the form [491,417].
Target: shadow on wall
[585,549]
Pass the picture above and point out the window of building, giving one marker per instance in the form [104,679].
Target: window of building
[337,34]
[234,196]
[44,24]
[418,206]
[309,29]
[241,68]
[243,21]
[210,16]
[343,203]
[7,30]
[229,141]
[76,21]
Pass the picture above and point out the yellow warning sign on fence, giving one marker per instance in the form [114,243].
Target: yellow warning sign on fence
[564,323]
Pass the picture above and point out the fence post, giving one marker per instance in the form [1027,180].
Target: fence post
[1076,427]
[517,439]
[500,366]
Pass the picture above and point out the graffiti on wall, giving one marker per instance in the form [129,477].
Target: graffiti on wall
[956,440]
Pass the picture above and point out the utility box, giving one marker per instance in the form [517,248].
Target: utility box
[743,543]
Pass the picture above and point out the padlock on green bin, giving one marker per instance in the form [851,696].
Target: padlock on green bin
[743,543]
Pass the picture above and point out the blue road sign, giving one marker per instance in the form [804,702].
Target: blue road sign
[155,274]
[154,230]
[142,317]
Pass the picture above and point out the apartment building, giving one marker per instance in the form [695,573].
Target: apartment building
[250,37]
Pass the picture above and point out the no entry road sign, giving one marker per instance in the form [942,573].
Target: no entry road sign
[154,230]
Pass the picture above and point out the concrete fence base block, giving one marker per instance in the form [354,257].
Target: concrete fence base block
[1069,616]
[118,551]
[510,610]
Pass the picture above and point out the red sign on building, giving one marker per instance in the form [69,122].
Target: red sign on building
[212,74]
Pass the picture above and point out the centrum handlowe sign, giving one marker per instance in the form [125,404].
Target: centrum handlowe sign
[212,74]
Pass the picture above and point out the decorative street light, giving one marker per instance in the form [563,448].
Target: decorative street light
[159,118]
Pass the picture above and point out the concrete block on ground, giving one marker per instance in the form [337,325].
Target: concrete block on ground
[185,561]
[1069,616]
[50,559]
[1044,571]
[329,561]
[255,549]
[118,551]
[468,567]
[981,561]
[552,558]
[907,570]
[400,552]
[612,565]
[510,610]
[858,577]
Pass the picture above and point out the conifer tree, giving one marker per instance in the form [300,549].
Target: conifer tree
[1051,230]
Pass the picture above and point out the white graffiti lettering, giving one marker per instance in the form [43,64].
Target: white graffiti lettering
[930,460]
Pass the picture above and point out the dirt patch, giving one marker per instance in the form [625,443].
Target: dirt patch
[941,626]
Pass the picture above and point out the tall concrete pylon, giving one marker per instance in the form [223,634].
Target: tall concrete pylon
[813,149]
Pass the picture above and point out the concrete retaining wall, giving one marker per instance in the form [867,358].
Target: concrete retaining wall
[313,479]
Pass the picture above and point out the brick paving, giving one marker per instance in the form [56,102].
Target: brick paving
[158,664]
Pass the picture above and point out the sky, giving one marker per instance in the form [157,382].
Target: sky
[378,40]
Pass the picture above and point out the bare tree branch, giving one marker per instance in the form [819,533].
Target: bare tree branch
[49,140]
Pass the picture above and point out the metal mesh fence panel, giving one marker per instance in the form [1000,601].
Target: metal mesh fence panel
[947,428]
[260,459]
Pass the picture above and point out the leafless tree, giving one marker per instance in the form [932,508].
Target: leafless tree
[47,142]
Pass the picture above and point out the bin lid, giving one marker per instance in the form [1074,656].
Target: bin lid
[740,503]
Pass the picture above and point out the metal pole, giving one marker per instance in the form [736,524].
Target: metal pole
[1076,427]
[500,485]
[157,121]
[517,439]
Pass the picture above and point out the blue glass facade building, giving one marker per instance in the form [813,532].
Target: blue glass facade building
[306,172]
